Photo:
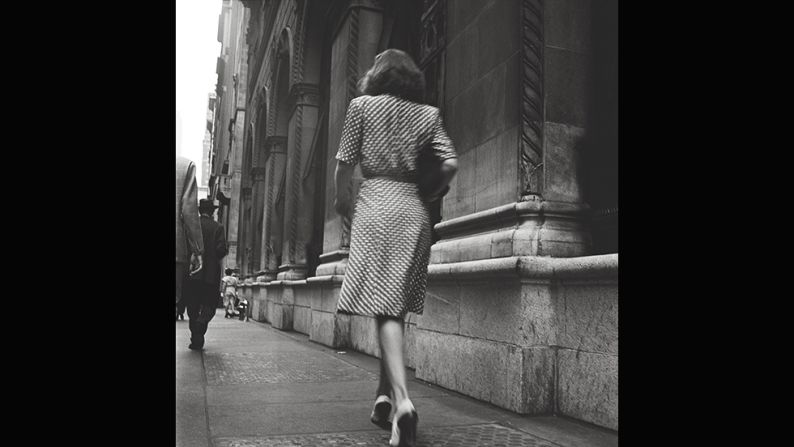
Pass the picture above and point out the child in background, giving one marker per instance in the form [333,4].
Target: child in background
[229,293]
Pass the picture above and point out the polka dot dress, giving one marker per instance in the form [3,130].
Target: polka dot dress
[390,236]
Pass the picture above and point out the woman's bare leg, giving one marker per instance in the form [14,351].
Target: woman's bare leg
[384,386]
[390,334]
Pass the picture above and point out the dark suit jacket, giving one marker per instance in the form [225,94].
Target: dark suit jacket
[215,249]
[188,229]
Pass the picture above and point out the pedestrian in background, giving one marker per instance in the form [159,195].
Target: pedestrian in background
[386,276]
[189,242]
[229,292]
[201,289]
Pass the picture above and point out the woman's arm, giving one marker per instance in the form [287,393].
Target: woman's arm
[342,178]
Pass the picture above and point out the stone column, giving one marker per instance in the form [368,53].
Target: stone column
[300,185]
[257,210]
[353,51]
[272,216]
[518,182]
[555,53]
[231,259]
[243,255]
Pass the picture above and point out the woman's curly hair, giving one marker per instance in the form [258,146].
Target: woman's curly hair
[394,73]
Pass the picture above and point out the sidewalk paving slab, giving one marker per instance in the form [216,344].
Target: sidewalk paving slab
[256,386]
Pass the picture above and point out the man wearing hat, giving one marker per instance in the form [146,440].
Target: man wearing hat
[201,289]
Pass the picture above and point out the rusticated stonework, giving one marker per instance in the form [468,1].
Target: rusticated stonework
[531,159]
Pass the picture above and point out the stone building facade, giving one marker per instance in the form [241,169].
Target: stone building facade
[228,123]
[206,150]
[522,301]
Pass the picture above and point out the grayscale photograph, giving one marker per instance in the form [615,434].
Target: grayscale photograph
[396,223]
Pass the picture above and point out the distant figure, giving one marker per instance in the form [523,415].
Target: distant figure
[201,289]
[189,243]
[229,292]
[390,237]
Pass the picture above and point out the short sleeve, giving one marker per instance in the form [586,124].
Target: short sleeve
[350,145]
[440,142]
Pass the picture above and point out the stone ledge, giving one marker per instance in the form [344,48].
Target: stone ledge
[510,215]
[533,227]
[535,267]
[325,279]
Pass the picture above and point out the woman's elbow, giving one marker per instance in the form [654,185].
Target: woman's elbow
[450,165]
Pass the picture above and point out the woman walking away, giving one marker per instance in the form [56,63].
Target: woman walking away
[386,276]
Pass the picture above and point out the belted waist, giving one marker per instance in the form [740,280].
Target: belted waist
[397,178]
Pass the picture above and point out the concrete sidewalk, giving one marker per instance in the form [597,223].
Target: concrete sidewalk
[256,386]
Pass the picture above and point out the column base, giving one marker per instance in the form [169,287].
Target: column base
[292,272]
[533,227]
[266,276]
[333,263]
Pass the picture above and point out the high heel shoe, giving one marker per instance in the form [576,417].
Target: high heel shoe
[403,429]
[381,412]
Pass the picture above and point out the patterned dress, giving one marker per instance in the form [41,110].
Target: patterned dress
[390,235]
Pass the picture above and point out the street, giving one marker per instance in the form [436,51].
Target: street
[253,385]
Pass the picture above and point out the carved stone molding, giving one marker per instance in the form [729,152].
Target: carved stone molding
[433,33]
[531,143]
[305,94]
[300,37]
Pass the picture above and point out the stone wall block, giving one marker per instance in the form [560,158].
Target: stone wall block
[442,308]
[304,295]
[474,248]
[566,24]
[330,329]
[588,387]
[302,319]
[500,22]
[491,311]
[256,310]
[364,335]
[327,298]
[538,381]
[589,317]
[409,344]
[486,370]
[561,148]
